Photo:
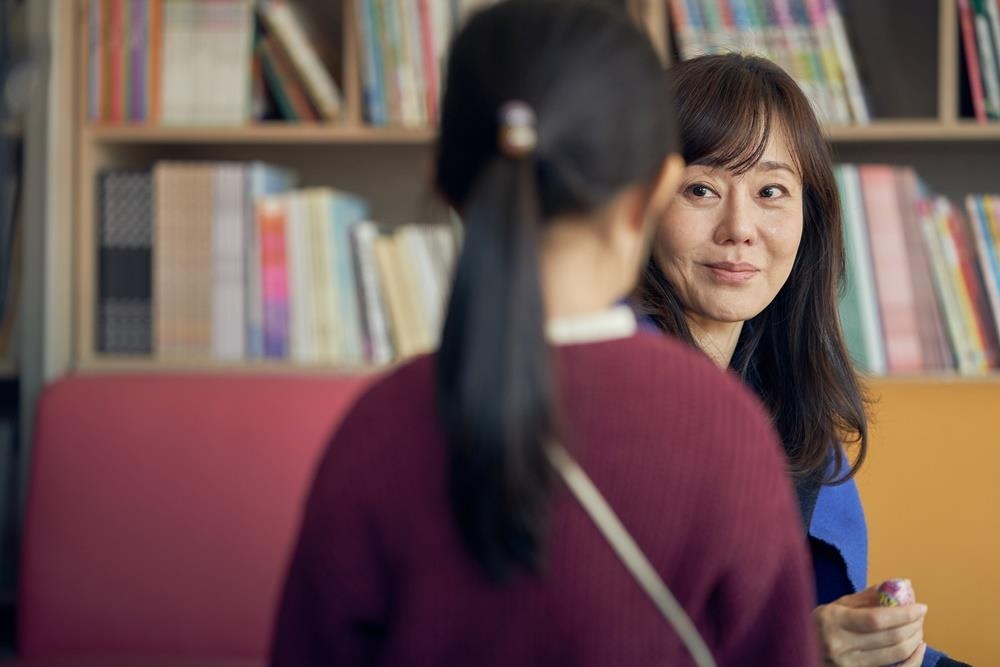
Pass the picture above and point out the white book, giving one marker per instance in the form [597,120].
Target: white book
[224,35]
[323,289]
[302,342]
[347,210]
[373,308]
[422,283]
[993,11]
[859,249]
[414,49]
[178,98]
[988,65]
[228,241]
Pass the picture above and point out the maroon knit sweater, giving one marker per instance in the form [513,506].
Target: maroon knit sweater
[681,452]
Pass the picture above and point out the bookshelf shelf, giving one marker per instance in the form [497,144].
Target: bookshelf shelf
[262,133]
[107,364]
[932,378]
[328,133]
[914,131]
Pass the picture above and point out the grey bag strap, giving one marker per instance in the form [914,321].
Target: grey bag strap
[629,552]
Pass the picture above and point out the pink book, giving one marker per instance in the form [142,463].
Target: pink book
[271,221]
[897,301]
[972,60]
[429,60]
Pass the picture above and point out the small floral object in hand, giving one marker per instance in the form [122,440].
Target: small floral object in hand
[896,593]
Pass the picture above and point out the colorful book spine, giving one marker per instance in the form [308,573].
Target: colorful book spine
[369,56]
[117,61]
[987,58]
[377,337]
[855,94]
[137,60]
[429,55]
[319,84]
[271,221]
[261,181]
[986,250]
[942,256]
[95,65]
[972,60]
[154,75]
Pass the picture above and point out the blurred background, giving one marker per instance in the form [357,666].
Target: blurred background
[216,225]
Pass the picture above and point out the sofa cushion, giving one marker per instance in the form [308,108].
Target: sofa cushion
[161,509]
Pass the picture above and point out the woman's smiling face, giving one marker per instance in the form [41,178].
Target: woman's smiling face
[728,241]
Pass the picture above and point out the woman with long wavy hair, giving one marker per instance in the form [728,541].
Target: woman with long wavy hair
[746,266]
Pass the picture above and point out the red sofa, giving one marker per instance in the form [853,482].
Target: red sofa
[161,511]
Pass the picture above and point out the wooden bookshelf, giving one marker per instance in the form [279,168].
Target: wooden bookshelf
[262,133]
[101,146]
[329,133]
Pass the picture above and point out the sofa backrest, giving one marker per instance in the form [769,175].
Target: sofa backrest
[161,509]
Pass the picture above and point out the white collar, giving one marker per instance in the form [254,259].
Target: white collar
[616,322]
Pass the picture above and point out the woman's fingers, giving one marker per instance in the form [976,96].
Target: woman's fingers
[868,620]
[896,653]
[891,637]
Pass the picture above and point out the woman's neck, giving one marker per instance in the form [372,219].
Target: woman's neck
[716,339]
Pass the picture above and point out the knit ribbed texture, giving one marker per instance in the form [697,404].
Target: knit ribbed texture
[681,452]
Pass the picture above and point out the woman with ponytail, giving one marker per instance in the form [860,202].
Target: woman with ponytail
[510,499]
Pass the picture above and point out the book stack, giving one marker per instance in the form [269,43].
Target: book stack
[226,261]
[923,286]
[402,51]
[979,22]
[189,62]
[806,38]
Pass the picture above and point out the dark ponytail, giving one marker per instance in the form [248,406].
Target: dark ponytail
[595,86]
[494,381]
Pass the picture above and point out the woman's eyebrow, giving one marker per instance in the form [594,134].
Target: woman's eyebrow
[771,165]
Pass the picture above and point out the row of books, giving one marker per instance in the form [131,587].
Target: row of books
[190,62]
[923,275]
[980,37]
[403,44]
[806,38]
[226,261]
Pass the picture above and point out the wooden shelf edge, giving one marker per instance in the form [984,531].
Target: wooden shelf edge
[924,131]
[940,377]
[319,133]
[127,365]
[264,133]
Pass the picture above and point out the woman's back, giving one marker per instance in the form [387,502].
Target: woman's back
[381,577]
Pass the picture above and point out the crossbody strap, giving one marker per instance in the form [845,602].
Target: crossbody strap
[629,552]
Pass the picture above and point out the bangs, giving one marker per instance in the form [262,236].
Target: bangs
[730,121]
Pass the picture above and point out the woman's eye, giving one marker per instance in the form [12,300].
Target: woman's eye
[700,191]
[772,191]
